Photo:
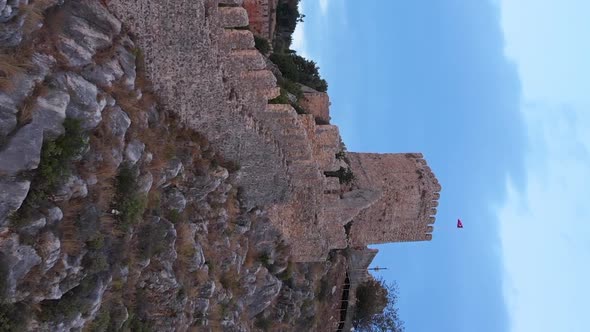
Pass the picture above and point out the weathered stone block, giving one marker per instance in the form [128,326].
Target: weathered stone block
[316,103]
[238,39]
[233,17]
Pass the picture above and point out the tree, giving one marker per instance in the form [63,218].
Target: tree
[262,44]
[376,309]
[344,175]
[298,69]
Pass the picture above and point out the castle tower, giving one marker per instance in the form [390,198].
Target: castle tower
[406,208]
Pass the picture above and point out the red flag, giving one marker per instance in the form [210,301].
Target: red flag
[459,223]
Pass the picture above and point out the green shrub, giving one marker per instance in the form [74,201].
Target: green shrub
[54,165]
[291,87]
[73,302]
[344,175]
[152,240]
[101,322]
[12,317]
[96,243]
[136,324]
[264,259]
[281,99]
[262,44]
[128,202]
[263,323]
[174,216]
[287,274]
[298,69]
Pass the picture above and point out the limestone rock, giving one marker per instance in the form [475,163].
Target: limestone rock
[53,215]
[49,249]
[261,288]
[12,195]
[103,74]
[50,112]
[24,83]
[144,183]
[18,260]
[126,61]
[134,151]
[118,122]
[207,290]
[88,27]
[174,168]
[73,187]
[204,185]
[23,150]
[32,226]
[171,171]
[8,113]
[174,200]
[11,32]
[201,305]
[84,104]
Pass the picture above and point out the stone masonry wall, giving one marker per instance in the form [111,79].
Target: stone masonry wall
[262,15]
[406,209]
[196,58]
[316,103]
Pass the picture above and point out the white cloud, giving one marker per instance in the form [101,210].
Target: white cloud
[545,227]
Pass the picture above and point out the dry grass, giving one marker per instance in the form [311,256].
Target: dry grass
[251,257]
[10,65]
[184,243]
[68,228]
[70,241]
[33,15]
[25,114]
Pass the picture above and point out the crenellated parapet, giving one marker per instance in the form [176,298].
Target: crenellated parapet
[407,207]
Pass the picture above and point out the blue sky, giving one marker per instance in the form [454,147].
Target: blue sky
[494,94]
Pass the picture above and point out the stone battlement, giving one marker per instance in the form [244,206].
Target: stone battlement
[209,73]
[407,206]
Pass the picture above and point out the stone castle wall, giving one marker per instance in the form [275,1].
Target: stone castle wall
[316,103]
[196,58]
[407,206]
